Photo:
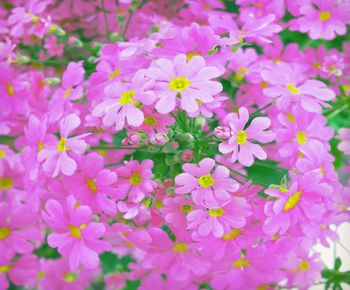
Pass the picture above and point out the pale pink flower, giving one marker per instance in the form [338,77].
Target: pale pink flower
[240,145]
[322,19]
[344,136]
[191,81]
[56,156]
[207,183]
[221,220]
[74,234]
[287,85]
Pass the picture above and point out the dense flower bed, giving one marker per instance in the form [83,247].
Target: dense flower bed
[173,144]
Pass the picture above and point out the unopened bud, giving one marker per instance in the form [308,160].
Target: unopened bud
[159,139]
[223,132]
[187,155]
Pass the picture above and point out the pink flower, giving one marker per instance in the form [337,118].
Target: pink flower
[74,234]
[135,180]
[208,184]
[190,81]
[344,136]
[287,85]
[322,19]
[219,221]
[18,228]
[55,155]
[19,271]
[124,102]
[301,202]
[239,144]
[94,185]
[71,90]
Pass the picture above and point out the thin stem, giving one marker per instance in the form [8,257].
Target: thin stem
[261,109]
[336,112]
[115,148]
[105,18]
[131,13]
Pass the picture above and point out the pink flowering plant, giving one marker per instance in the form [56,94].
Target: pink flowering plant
[172,145]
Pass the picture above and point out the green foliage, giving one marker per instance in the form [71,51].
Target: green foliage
[335,278]
[45,251]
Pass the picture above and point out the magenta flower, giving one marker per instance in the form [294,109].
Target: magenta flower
[299,203]
[239,145]
[55,155]
[322,19]
[94,185]
[18,228]
[287,85]
[208,184]
[190,81]
[135,180]
[20,271]
[124,101]
[219,221]
[70,90]
[74,234]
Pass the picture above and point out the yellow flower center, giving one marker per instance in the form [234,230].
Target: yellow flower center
[231,236]
[158,204]
[206,181]
[40,275]
[91,184]
[127,97]
[179,84]
[5,268]
[35,19]
[293,200]
[40,146]
[243,70]
[241,263]
[61,145]
[4,233]
[241,138]
[6,183]
[304,266]
[292,89]
[218,212]
[180,248]
[324,16]
[150,121]
[10,90]
[263,85]
[135,179]
[301,137]
[115,73]
[186,208]
[291,118]
[192,54]
[70,277]
[67,92]
[2,153]
[75,231]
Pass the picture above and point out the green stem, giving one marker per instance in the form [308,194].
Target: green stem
[105,18]
[336,112]
[261,109]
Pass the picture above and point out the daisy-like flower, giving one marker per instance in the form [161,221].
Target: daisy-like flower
[286,86]
[209,184]
[55,155]
[123,102]
[187,82]
[220,221]
[301,202]
[322,18]
[74,234]
[240,145]
[135,180]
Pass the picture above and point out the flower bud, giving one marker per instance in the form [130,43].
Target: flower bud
[159,139]
[223,132]
[187,155]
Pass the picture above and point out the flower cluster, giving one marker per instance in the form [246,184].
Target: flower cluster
[172,144]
